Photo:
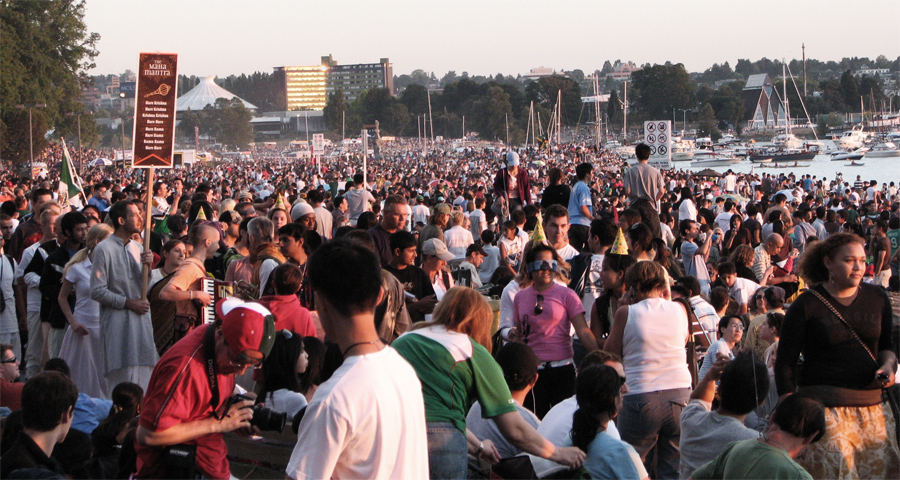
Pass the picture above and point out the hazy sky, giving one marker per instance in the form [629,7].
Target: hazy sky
[484,37]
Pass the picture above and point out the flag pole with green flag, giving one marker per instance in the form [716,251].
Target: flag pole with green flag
[69,183]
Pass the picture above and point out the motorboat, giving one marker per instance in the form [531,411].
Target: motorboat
[852,155]
[854,164]
[853,138]
[884,150]
[682,150]
[727,139]
[715,160]
[787,141]
[779,155]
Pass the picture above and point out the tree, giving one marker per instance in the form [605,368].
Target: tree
[415,97]
[546,92]
[708,122]
[849,89]
[187,121]
[449,78]
[334,110]
[607,68]
[233,120]
[46,50]
[490,113]
[662,88]
[614,108]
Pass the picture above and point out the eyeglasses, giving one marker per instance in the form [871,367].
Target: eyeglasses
[10,360]
[539,306]
[621,381]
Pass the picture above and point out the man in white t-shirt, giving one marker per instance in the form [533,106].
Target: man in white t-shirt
[741,289]
[368,419]
[723,219]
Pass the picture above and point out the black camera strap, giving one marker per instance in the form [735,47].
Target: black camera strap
[212,369]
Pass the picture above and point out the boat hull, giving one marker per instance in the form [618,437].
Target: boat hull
[785,157]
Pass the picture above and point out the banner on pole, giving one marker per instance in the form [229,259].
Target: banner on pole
[154,111]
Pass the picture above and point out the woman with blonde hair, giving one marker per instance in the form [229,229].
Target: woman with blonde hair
[81,347]
[843,328]
[650,334]
[451,356]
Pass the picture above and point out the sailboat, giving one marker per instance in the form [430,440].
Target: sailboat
[786,147]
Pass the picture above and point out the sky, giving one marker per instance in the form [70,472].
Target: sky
[484,37]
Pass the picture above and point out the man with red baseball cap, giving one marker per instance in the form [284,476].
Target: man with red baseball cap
[186,403]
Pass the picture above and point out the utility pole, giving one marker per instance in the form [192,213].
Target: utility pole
[804,70]
[31,106]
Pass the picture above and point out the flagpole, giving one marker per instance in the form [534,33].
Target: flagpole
[145,269]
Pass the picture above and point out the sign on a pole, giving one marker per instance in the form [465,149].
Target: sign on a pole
[154,111]
[318,144]
[658,135]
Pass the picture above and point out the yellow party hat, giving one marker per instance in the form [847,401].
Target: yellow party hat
[279,203]
[201,215]
[538,236]
[620,247]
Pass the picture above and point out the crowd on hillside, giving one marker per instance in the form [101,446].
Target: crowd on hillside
[443,310]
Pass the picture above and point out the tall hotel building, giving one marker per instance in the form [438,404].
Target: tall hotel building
[307,88]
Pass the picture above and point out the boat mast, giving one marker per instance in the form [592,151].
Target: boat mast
[787,111]
[625,116]
[558,117]
[430,118]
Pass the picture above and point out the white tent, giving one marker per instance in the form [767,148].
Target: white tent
[206,93]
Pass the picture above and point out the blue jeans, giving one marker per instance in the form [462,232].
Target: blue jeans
[447,451]
[651,423]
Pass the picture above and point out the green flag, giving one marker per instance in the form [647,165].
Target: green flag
[69,183]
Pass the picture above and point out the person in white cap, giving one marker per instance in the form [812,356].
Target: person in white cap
[435,256]
[512,186]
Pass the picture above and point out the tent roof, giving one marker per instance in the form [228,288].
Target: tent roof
[206,93]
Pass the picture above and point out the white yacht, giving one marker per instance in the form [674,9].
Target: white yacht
[852,139]
[884,150]
[787,141]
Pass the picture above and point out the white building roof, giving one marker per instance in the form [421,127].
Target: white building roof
[206,93]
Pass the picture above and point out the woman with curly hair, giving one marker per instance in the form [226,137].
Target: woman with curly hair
[843,329]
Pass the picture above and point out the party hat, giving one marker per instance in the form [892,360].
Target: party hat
[201,215]
[279,203]
[537,236]
[620,247]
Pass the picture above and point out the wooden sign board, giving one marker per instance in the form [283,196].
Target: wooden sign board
[154,111]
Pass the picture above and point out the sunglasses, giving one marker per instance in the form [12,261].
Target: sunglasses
[539,305]
[10,360]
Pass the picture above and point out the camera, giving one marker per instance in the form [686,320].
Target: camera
[264,418]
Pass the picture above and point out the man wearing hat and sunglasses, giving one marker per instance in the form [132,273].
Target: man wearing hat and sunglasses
[187,400]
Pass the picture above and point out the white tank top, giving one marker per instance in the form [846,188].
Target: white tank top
[653,347]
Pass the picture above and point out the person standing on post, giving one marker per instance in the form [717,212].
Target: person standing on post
[581,208]
[645,187]
[512,185]
[126,330]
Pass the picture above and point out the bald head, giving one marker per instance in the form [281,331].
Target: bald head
[774,242]
[205,236]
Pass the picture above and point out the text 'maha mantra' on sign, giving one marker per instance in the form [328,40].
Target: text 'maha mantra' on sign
[154,112]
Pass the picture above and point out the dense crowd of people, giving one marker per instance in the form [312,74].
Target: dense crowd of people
[441,313]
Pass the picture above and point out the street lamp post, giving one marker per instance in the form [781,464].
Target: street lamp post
[30,106]
[684,120]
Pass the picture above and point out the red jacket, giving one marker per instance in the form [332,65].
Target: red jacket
[523,184]
[289,315]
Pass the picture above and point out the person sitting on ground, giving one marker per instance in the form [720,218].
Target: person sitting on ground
[475,255]
[599,395]
[48,408]
[744,386]
[797,422]
[117,429]
[519,364]
[280,385]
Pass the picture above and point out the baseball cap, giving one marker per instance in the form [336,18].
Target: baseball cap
[246,326]
[512,159]
[246,196]
[301,209]
[437,248]
[443,208]
[475,248]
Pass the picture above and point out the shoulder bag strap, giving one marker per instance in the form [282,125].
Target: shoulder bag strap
[841,318]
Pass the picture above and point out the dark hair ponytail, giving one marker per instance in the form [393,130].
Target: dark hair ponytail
[597,392]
